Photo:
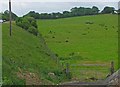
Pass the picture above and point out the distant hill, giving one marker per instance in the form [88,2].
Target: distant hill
[27,59]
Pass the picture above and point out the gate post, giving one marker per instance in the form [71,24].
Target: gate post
[67,71]
[112,68]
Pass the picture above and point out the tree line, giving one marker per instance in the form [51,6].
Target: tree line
[28,22]
[76,11]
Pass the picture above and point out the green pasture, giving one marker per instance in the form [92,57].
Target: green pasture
[83,40]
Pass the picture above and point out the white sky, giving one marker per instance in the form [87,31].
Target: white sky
[21,7]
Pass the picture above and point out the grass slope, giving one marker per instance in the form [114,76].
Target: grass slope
[26,59]
[77,42]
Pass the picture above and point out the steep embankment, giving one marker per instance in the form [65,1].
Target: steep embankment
[26,59]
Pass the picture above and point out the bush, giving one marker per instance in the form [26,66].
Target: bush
[32,21]
[57,55]
[72,54]
[89,22]
[33,30]
[28,23]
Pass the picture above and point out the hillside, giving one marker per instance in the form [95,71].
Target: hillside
[87,43]
[27,59]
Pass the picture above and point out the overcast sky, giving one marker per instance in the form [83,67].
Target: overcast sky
[21,7]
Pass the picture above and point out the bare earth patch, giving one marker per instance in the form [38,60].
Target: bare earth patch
[30,78]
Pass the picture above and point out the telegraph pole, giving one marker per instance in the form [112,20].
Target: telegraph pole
[10,19]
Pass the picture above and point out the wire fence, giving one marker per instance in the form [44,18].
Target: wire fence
[88,71]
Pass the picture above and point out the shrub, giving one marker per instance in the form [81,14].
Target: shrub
[28,23]
[33,30]
[32,21]
[89,22]
[72,54]
[57,55]
[84,34]
[53,37]
[25,24]
[66,41]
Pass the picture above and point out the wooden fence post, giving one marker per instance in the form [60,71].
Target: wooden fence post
[62,65]
[112,67]
[67,71]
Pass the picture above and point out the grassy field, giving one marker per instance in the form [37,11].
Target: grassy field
[87,43]
[26,59]
[84,40]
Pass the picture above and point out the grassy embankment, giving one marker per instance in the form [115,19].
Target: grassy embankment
[26,59]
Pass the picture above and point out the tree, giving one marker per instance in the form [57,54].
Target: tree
[5,16]
[33,14]
[88,11]
[66,14]
[118,11]
[108,10]
[95,10]
[58,15]
[1,15]
[82,11]
[76,11]
[45,16]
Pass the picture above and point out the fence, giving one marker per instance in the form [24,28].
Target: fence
[88,71]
